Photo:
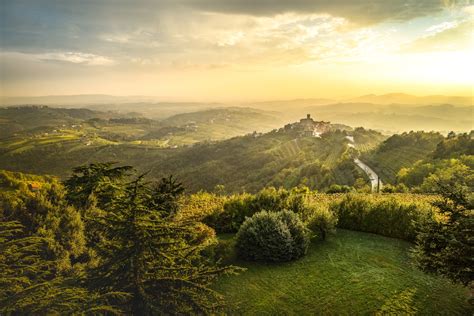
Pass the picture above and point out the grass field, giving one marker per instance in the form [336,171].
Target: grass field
[352,273]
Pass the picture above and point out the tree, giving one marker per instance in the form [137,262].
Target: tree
[45,213]
[164,195]
[28,285]
[153,254]
[446,246]
[101,180]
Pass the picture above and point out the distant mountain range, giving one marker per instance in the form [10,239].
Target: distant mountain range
[402,98]
[389,113]
[91,99]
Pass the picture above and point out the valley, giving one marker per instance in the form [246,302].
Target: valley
[242,149]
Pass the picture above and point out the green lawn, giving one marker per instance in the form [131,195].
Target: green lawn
[352,273]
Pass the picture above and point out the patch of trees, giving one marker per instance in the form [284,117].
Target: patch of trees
[107,242]
[454,146]
[446,246]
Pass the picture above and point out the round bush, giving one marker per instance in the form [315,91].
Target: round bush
[272,237]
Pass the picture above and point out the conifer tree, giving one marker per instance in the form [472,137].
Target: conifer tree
[29,286]
[156,257]
[446,246]
[100,180]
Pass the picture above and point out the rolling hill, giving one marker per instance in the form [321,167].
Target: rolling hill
[401,151]
[193,146]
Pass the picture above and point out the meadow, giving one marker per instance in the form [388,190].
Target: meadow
[351,273]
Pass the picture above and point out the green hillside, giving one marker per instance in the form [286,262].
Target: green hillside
[400,151]
[215,124]
[19,123]
[275,159]
[279,158]
[37,119]
[202,148]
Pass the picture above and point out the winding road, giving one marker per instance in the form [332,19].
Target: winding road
[375,181]
[374,178]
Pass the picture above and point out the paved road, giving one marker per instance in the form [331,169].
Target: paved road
[375,181]
[374,178]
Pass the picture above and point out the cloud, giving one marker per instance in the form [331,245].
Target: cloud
[231,39]
[77,58]
[438,28]
[75,39]
[446,36]
[135,29]
[359,11]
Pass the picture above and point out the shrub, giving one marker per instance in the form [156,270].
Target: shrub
[298,232]
[322,221]
[272,237]
[269,199]
[388,217]
[232,214]
[336,188]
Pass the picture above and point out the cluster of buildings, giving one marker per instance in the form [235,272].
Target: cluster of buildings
[307,127]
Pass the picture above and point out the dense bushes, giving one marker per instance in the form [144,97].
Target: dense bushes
[392,215]
[236,208]
[389,217]
[231,215]
[272,237]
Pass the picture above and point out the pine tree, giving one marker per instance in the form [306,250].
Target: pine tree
[156,257]
[29,286]
[446,246]
[101,180]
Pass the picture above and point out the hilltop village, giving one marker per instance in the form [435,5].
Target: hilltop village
[307,127]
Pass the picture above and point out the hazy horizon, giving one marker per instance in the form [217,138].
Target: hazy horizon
[17,99]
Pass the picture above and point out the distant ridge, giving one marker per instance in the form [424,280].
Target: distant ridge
[383,99]
[78,99]
[403,98]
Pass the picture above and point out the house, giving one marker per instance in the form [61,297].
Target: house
[34,186]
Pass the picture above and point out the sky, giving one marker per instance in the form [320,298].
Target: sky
[228,50]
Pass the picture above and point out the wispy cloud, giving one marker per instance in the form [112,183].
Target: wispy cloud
[446,36]
[441,27]
[76,58]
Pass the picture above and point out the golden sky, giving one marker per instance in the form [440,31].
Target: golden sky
[226,50]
